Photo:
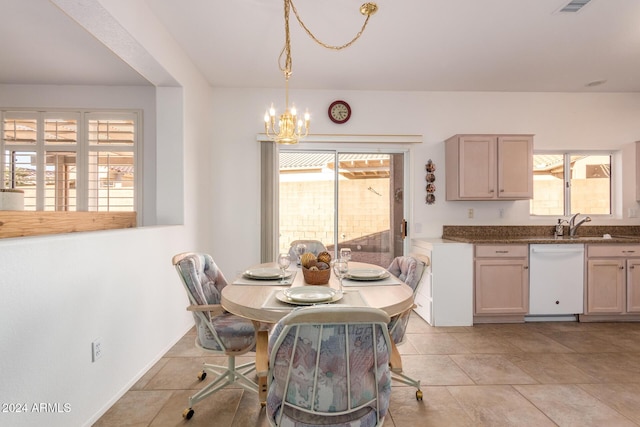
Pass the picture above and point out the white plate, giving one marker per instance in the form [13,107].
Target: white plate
[306,296]
[266,273]
[367,274]
[282,297]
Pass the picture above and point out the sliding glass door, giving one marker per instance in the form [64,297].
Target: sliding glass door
[343,199]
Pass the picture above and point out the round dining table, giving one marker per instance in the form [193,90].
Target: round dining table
[258,301]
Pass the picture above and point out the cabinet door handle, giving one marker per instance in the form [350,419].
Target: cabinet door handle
[628,252]
[502,191]
[526,267]
[621,268]
[491,191]
[631,267]
[502,252]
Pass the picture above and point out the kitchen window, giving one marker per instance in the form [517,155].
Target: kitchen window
[570,183]
[71,161]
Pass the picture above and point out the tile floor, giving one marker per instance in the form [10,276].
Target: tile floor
[533,374]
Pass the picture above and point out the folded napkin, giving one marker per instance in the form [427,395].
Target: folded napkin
[242,280]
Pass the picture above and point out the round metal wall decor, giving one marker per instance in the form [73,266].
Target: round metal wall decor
[430,178]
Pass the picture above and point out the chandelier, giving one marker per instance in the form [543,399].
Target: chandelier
[291,128]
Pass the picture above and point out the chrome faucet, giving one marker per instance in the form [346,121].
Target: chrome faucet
[573,227]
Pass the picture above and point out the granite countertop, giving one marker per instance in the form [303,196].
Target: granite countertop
[513,234]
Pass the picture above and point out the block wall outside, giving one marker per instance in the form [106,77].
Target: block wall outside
[307,211]
[588,196]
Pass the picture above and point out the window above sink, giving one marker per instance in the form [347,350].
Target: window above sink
[568,183]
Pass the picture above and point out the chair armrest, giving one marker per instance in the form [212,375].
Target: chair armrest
[215,309]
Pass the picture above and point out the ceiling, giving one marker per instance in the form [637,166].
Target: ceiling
[409,45]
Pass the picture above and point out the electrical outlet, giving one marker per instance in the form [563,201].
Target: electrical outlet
[633,213]
[470,213]
[501,212]
[96,349]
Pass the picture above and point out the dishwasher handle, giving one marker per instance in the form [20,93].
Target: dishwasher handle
[557,250]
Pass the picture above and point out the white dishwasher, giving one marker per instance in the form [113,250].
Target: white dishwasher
[556,280]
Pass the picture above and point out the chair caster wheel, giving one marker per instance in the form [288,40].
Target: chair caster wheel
[419,395]
[202,375]
[187,413]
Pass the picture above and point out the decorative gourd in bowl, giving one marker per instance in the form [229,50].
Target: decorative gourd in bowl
[314,269]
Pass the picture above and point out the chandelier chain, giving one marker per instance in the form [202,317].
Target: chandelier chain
[292,127]
[286,50]
[320,42]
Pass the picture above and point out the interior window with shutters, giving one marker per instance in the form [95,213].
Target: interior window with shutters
[71,161]
[111,169]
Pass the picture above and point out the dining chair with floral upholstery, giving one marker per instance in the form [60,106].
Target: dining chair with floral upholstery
[408,269]
[217,331]
[329,366]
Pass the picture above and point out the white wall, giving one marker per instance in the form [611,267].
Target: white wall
[558,120]
[59,293]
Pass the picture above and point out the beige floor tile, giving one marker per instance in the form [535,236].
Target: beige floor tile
[217,410]
[417,325]
[439,408]
[436,344]
[434,370]
[607,367]
[569,405]
[144,380]
[491,369]
[249,412]
[485,343]
[624,398]
[629,340]
[178,374]
[498,406]
[526,374]
[509,328]
[406,347]
[135,408]
[451,329]
[583,342]
[549,368]
[535,342]
[185,347]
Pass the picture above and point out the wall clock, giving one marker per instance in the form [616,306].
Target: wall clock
[339,112]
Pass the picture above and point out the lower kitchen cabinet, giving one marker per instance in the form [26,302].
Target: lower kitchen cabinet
[444,296]
[605,285]
[633,286]
[501,283]
[613,281]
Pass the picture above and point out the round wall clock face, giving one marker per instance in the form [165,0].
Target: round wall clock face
[339,112]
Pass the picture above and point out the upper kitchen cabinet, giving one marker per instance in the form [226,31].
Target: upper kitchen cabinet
[489,167]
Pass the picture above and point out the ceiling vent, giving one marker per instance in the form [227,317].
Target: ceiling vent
[574,6]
